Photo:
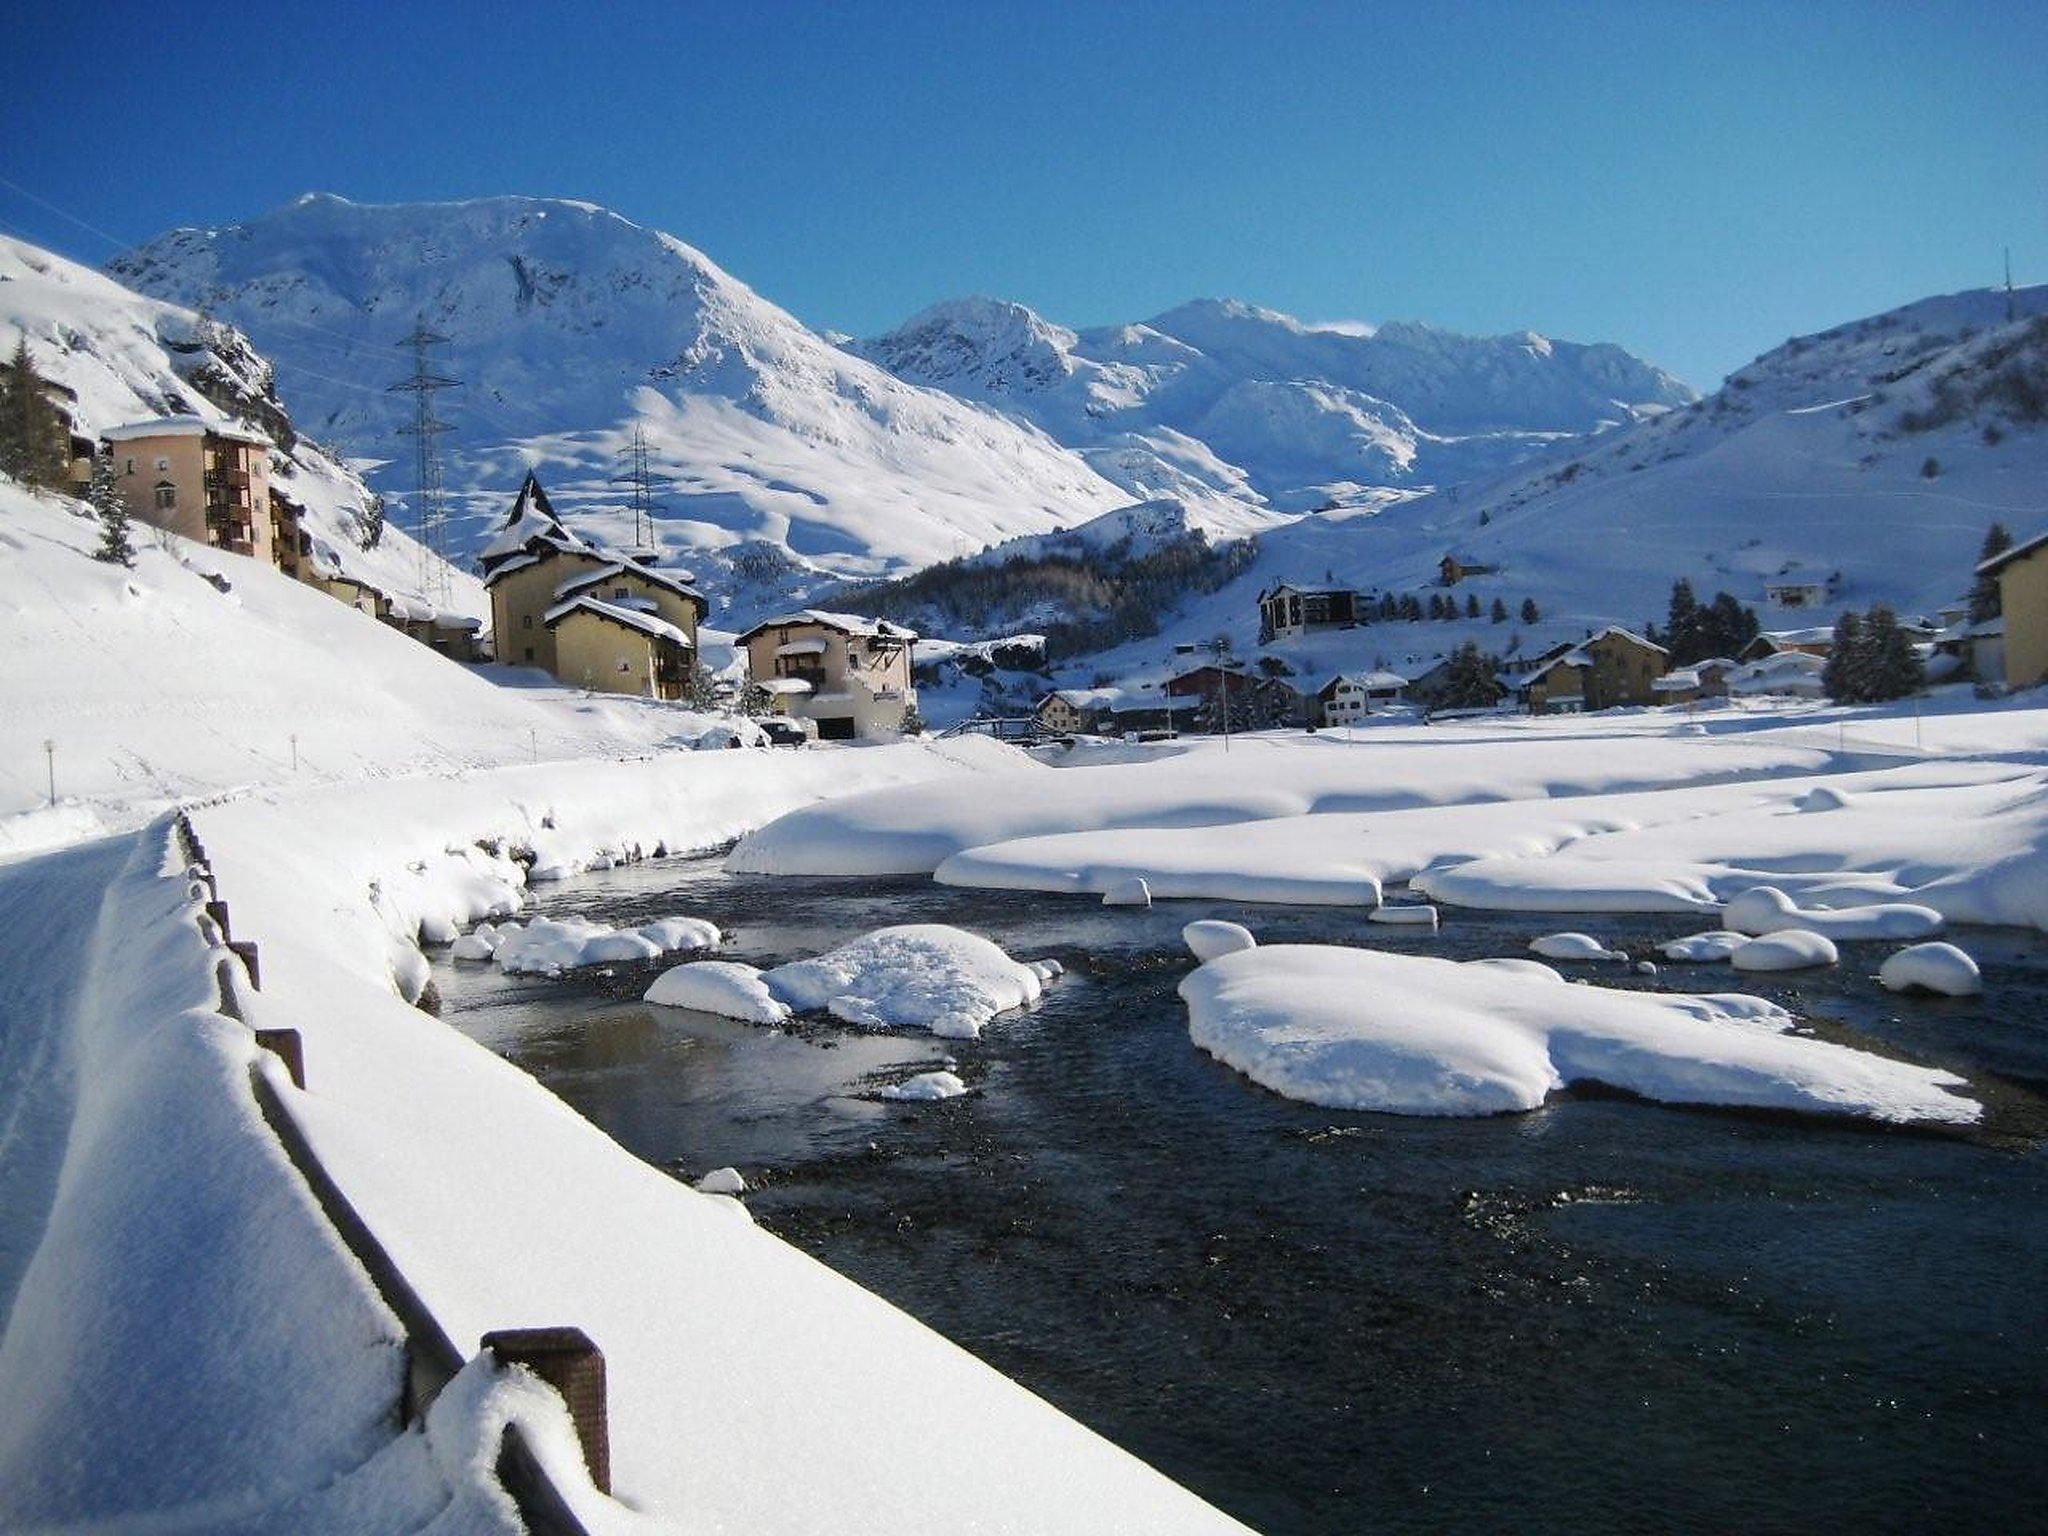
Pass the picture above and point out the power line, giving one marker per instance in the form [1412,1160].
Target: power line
[430,513]
[634,474]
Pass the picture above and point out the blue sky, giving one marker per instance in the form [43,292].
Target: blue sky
[1696,182]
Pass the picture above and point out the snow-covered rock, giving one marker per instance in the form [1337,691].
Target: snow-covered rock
[1131,892]
[917,976]
[549,945]
[727,987]
[721,1181]
[1573,946]
[1210,937]
[1791,949]
[1766,909]
[1403,1034]
[1717,944]
[925,1086]
[1941,968]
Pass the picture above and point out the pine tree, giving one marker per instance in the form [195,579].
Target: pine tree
[1469,681]
[1895,670]
[1844,676]
[112,511]
[33,444]
[1530,612]
[1985,602]
[1436,605]
[698,691]
[1500,611]
[756,701]
[1682,625]
[1472,605]
[370,522]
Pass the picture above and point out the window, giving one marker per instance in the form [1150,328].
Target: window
[526,622]
[166,496]
[162,465]
[529,653]
[621,592]
[128,466]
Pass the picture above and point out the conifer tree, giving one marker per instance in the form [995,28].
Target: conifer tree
[1530,612]
[112,511]
[1681,624]
[1895,671]
[1843,677]
[1472,605]
[1985,602]
[1500,611]
[1468,680]
[32,440]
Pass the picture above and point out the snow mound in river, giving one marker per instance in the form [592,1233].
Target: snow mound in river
[1793,949]
[1211,937]
[1573,946]
[918,976]
[1415,1035]
[1766,909]
[725,987]
[548,945]
[1938,968]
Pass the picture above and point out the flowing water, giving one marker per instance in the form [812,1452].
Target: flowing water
[1605,1316]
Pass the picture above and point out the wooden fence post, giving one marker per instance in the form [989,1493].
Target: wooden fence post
[566,1360]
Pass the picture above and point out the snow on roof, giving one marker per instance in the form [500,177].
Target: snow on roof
[184,426]
[1371,682]
[2020,551]
[811,647]
[532,517]
[845,623]
[1813,635]
[672,581]
[1624,634]
[628,618]
[1675,682]
[783,685]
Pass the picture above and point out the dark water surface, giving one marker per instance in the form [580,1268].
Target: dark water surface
[1606,1316]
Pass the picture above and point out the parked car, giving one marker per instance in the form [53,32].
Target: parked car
[784,733]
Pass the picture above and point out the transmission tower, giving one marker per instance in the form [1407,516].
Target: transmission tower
[2008,286]
[634,475]
[430,513]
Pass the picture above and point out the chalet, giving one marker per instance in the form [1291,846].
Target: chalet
[1794,674]
[1072,711]
[1688,685]
[205,480]
[1772,642]
[847,675]
[1795,587]
[1287,611]
[290,543]
[1350,696]
[1556,686]
[2022,574]
[536,571]
[1454,568]
[612,648]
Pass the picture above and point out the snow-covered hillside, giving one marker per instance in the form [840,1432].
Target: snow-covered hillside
[1869,459]
[1219,400]
[129,358]
[568,326]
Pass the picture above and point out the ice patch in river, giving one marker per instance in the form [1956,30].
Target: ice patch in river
[1405,1034]
[918,976]
[1410,915]
[1937,967]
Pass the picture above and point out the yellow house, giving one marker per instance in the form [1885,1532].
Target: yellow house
[2022,573]
[610,649]
[203,479]
[549,588]
[848,675]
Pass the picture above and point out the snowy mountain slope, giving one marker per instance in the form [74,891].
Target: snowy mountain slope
[1876,452]
[568,327]
[128,358]
[1294,414]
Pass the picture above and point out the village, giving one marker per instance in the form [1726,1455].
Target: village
[616,621]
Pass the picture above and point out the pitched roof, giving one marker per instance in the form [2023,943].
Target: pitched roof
[629,618]
[671,581]
[2000,561]
[532,519]
[184,426]
[845,623]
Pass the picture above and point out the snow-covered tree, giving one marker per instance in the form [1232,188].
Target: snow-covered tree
[756,701]
[112,511]
[1469,681]
[370,522]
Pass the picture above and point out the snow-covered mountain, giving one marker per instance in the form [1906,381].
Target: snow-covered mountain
[1219,399]
[128,358]
[1868,459]
[569,326]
